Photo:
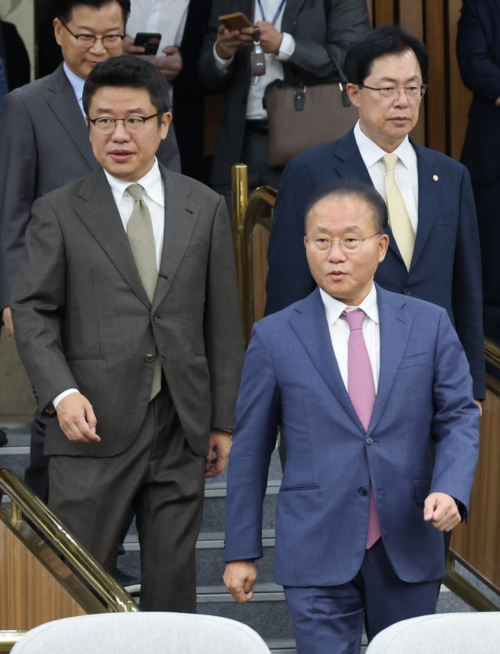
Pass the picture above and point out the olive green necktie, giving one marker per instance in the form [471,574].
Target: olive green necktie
[142,243]
[399,220]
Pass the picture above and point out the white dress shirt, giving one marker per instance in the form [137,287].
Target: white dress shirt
[274,63]
[165,17]
[339,331]
[154,197]
[77,83]
[406,170]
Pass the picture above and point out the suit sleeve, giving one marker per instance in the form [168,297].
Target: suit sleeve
[18,174]
[222,322]
[211,77]
[289,278]
[38,300]
[254,439]
[467,287]
[455,425]
[479,72]
[348,21]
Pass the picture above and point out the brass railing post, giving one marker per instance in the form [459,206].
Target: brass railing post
[239,178]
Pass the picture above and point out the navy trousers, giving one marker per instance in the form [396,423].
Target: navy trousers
[329,620]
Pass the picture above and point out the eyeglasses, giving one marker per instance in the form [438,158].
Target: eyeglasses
[86,41]
[351,244]
[133,124]
[412,92]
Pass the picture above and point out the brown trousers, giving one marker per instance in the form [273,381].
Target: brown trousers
[162,480]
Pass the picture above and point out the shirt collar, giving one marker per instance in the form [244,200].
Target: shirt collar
[371,152]
[76,82]
[152,183]
[334,308]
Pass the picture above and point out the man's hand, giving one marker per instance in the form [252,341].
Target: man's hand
[170,65]
[77,418]
[480,405]
[228,42]
[220,444]
[270,38]
[240,578]
[442,510]
[7,321]
[131,49]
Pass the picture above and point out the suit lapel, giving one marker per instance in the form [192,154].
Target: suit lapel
[311,327]
[290,12]
[97,208]
[395,329]
[428,196]
[61,99]
[181,214]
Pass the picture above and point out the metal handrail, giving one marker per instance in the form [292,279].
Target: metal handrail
[247,213]
[9,638]
[491,352]
[24,501]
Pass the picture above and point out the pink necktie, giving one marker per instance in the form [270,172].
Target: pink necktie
[361,389]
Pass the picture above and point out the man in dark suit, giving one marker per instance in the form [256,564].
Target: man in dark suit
[434,247]
[292,35]
[14,60]
[182,24]
[127,320]
[45,144]
[478,51]
[360,381]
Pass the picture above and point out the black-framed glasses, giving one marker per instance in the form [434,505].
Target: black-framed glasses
[351,244]
[412,92]
[86,41]
[133,124]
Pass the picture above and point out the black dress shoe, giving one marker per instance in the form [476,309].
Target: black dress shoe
[3,438]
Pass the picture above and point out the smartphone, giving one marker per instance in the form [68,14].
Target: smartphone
[235,21]
[149,41]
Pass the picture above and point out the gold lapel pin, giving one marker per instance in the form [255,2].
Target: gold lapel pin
[435,178]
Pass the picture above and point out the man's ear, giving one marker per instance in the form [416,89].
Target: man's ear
[353,93]
[57,30]
[165,123]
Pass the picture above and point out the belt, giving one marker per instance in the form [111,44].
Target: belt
[257,126]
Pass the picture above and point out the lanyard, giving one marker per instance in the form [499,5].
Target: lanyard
[280,9]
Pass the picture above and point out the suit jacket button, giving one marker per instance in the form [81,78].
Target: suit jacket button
[369,441]
[363,491]
[150,358]
[407,291]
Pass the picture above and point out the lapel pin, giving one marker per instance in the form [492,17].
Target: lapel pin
[435,178]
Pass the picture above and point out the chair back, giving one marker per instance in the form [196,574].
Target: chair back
[445,633]
[130,633]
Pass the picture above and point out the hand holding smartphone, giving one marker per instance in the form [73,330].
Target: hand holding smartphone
[236,21]
[149,41]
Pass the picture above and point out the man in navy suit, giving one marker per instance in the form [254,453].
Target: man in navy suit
[360,381]
[443,264]
[478,52]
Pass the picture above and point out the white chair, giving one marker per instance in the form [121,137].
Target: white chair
[443,633]
[141,633]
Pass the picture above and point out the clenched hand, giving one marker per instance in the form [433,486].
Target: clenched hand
[77,418]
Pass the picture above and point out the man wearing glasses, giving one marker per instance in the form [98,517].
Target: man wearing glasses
[127,320]
[44,143]
[360,382]
[433,237]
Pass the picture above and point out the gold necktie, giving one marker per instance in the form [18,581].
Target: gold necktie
[142,243]
[399,220]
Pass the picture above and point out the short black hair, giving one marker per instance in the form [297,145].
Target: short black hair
[128,71]
[381,41]
[351,188]
[64,8]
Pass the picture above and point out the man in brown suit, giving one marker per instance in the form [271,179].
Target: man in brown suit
[127,320]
